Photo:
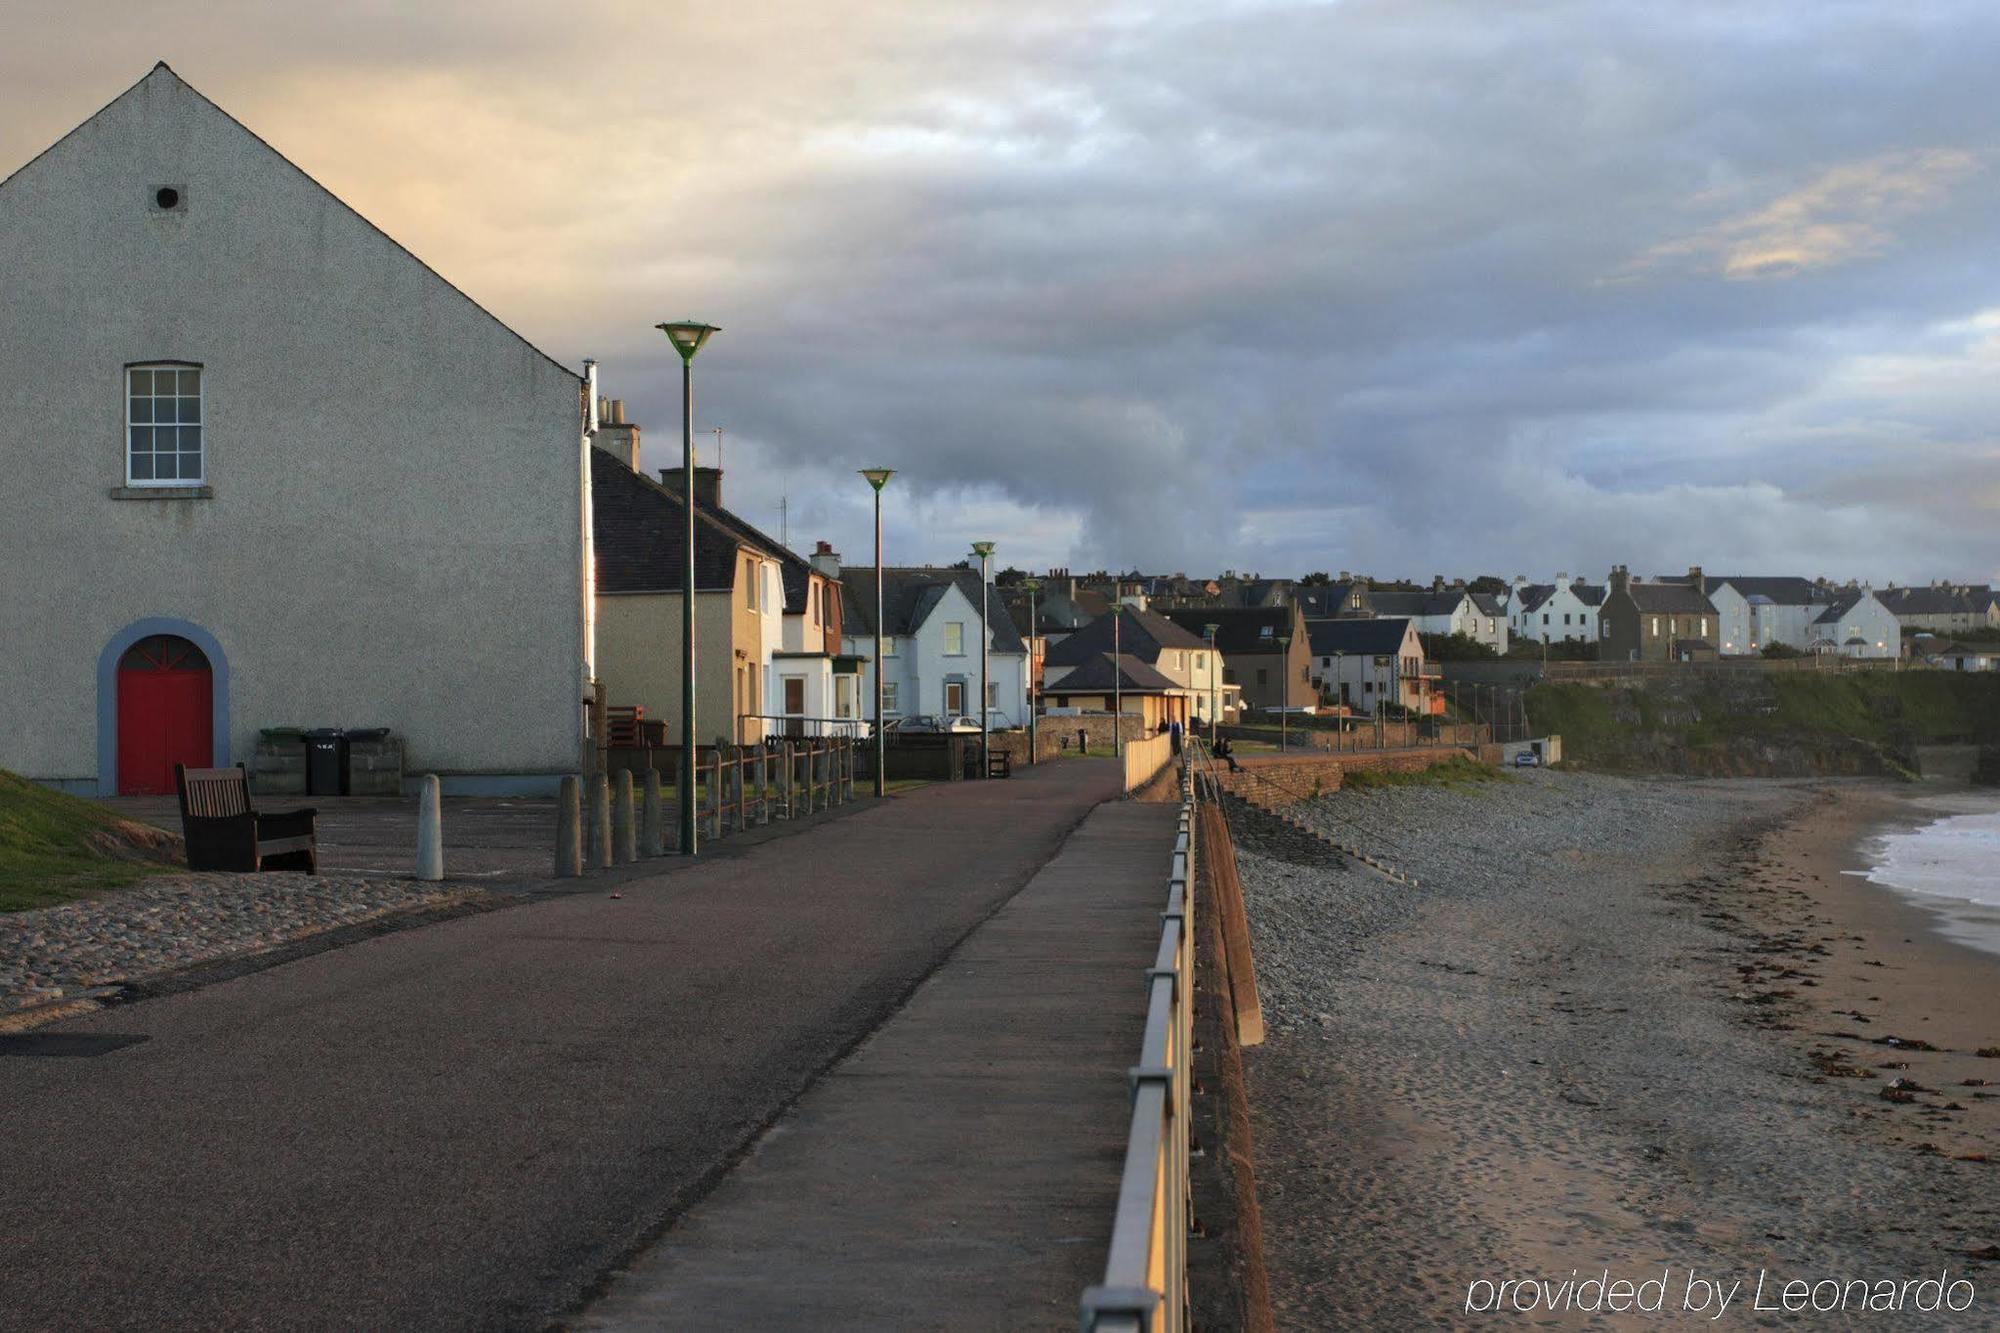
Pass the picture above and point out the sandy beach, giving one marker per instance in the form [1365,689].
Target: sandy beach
[1626,1029]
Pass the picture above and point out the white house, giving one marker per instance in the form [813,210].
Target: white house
[1554,612]
[1367,664]
[1856,624]
[930,630]
[1445,612]
[266,469]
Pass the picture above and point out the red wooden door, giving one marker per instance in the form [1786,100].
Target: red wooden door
[165,714]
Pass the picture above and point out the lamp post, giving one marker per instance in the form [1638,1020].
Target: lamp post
[687,338]
[1209,632]
[878,477]
[1117,683]
[1284,693]
[984,551]
[1029,686]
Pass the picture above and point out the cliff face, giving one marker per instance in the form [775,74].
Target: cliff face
[1753,725]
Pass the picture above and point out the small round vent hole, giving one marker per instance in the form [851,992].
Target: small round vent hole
[167,197]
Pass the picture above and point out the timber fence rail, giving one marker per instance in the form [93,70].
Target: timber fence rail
[602,821]
[1145,1272]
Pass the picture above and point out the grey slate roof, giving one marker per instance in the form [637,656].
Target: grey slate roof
[1487,604]
[1369,638]
[1095,673]
[1417,603]
[1140,634]
[1783,590]
[1238,630]
[638,528]
[910,594]
[1532,596]
[1670,598]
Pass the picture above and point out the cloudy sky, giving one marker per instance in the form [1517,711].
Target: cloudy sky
[1407,286]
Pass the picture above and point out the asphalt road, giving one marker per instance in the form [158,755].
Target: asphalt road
[467,1124]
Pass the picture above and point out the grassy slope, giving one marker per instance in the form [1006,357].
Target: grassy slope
[55,847]
[1461,771]
[1888,710]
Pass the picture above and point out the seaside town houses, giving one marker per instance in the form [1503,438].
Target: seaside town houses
[930,645]
[1366,666]
[1563,611]
[269,471]
[1143,662]
[1263,653]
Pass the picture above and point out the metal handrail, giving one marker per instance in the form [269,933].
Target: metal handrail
[1145,1270]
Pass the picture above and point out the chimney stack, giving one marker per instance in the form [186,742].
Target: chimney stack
[1619,581]
[707,482]
[1696,578]
[615,435]
[826,560]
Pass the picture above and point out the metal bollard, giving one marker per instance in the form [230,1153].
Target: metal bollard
[652,825]
[430,830]
[624,849]
[569,828]
[597,820]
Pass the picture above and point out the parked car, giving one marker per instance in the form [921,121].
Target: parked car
[963,724]
[1527,759]
[920,722]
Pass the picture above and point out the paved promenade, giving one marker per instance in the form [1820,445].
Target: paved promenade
[959,1169]
[467,1124]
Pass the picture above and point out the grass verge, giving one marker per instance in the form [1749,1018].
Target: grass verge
[54,848]
[1459,771]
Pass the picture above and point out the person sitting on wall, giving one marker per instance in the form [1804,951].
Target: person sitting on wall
[1223,750]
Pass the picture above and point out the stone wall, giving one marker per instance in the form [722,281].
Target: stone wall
[1282,781]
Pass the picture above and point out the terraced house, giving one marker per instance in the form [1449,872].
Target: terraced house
[265,469]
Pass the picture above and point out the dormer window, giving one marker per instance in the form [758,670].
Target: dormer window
[163,424]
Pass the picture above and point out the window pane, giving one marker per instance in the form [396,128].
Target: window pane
[142,382]
[190,467]
[142,409]
[165,466]
[190,382]
[190,409]
[142,467]
[142,439]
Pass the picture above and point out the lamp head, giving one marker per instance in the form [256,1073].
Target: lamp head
[1033,585]
[688,336]
[878,477]
[982,550]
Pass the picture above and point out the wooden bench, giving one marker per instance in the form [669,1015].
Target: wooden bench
[223,831]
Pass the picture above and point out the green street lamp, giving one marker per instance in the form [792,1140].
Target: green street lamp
[1285,693]
[687,338]
[1209,632]
[1032,685]
[983,552]
[878,477]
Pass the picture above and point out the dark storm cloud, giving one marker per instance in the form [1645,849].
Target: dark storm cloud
[1420,287]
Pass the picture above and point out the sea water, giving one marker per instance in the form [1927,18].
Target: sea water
[1952,866]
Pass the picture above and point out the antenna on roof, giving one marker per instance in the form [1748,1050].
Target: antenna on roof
[784,520]
[717,431]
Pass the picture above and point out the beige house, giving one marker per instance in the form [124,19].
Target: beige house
[767,624]
[265,469]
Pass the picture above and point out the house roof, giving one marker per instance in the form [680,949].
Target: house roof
[1418,603]
[1140,634]
[1933,601]
[795,570]
[1371,638]
[1331,599]
[910,595]
[1239,630]
[638,528]
[1534,594]
[1782,589]
[1488,604]
[1133,676]
[1670,598]
[1838,608]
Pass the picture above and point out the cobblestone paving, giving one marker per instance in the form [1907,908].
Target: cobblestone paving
[179,921]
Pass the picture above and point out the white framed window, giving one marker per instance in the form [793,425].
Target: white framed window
[889,645]
[1656,627]
[891,705]
[163,426]
[992,695]
[954,638]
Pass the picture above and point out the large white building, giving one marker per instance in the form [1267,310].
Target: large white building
[1554,612]
[264,468]
[930,629]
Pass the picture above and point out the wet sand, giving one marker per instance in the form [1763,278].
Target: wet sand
[1595,1040]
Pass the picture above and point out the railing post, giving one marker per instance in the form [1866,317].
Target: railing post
[785,783]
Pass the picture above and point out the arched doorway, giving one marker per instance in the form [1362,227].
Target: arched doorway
[166,713]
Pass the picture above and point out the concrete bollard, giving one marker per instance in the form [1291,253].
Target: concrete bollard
[569,828]
[597,821]
[652,820]
[430,830]
[624,850]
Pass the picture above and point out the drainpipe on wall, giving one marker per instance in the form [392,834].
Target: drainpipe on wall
[586,743]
